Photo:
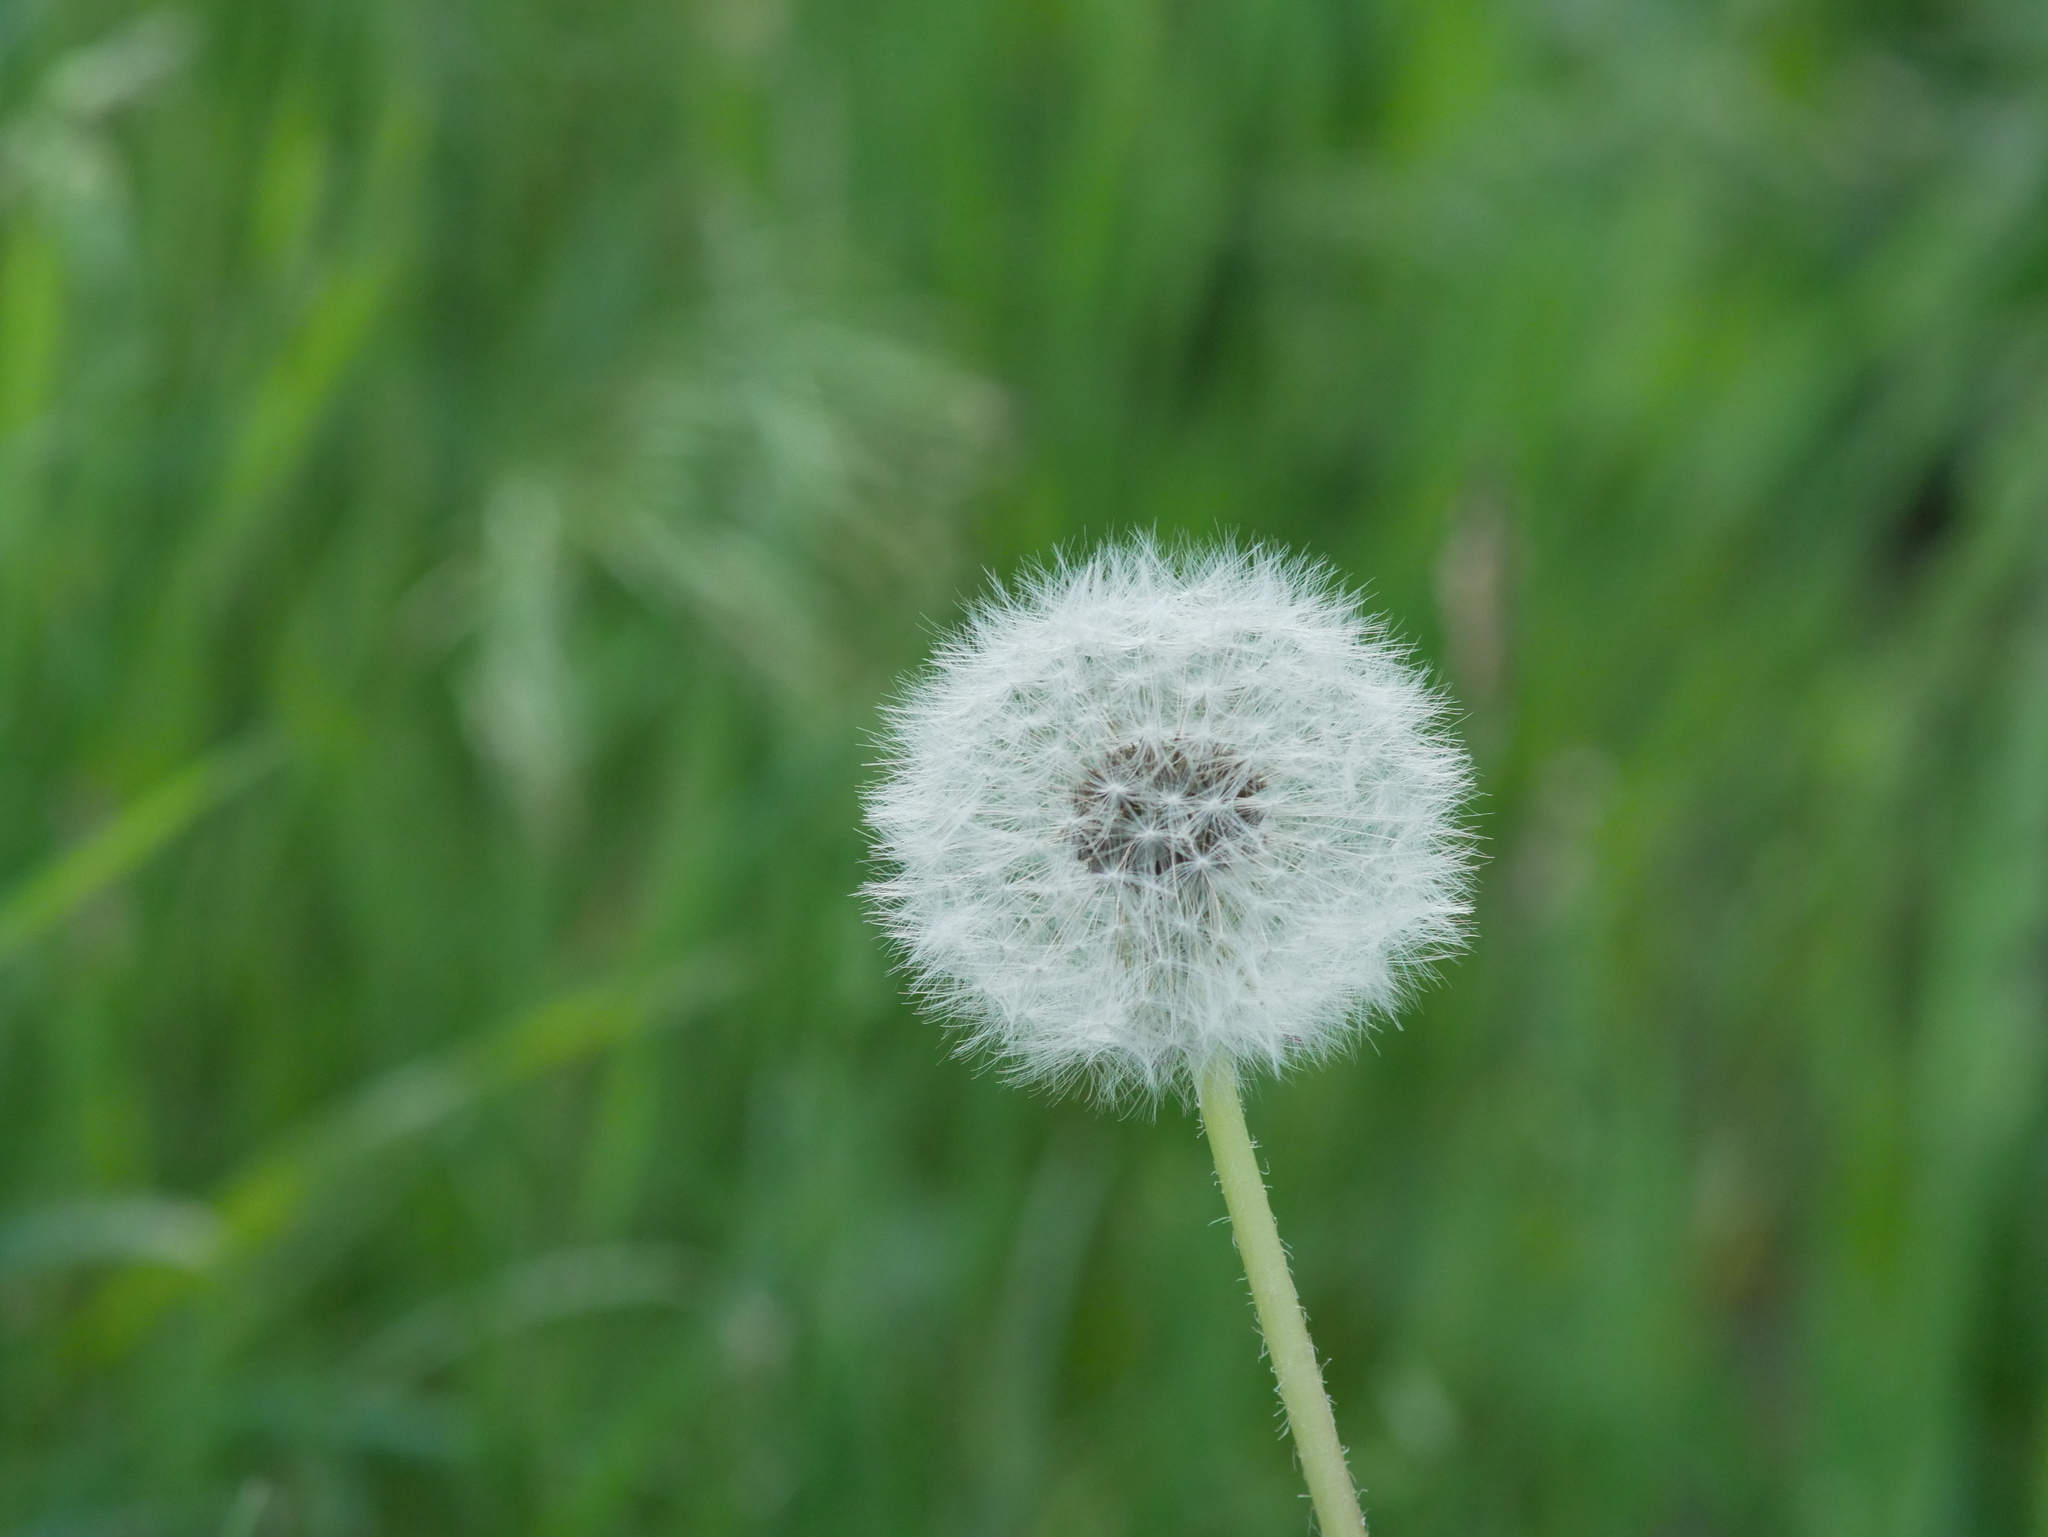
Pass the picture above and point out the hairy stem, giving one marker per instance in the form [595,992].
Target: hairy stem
[1280,1317]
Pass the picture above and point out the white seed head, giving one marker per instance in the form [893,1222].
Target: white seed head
[1165,806]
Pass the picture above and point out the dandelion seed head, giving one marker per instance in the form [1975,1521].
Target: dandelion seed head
[1161,807]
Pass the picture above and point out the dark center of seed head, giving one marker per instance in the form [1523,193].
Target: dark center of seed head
[1151,809]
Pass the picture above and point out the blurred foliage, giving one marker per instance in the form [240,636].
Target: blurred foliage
[469,470]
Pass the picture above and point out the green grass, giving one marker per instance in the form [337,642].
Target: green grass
[469,472]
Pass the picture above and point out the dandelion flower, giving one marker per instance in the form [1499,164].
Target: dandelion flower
[1159,809]
[1159,816]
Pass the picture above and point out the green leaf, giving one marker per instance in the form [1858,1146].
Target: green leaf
[103,858]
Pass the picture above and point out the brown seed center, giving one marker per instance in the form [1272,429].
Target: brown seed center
[1151,809]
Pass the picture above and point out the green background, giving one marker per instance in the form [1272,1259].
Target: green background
[469,471]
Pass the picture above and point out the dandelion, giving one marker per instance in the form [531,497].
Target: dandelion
[1162,817]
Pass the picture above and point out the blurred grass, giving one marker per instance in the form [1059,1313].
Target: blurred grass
[468,472]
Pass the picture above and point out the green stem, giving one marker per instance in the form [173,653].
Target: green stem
[1280,1317]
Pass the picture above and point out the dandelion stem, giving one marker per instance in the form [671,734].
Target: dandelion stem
[1281,1320]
